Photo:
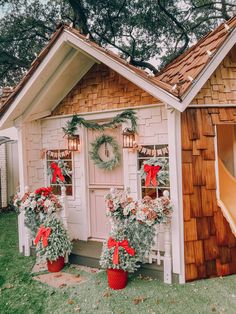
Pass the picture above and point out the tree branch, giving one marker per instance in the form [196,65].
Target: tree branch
[177,23]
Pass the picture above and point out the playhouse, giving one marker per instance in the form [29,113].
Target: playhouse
[186,116]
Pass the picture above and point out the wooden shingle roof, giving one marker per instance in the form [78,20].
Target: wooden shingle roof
[190,64]
[176,78]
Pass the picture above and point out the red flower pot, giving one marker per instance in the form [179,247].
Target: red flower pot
[55,266]
[117,278]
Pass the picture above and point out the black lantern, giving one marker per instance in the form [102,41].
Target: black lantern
[74,143]
[128,138]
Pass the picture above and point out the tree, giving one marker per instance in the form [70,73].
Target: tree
[146,32]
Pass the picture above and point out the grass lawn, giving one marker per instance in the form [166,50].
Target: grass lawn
[19,293]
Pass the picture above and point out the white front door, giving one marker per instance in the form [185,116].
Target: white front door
[100,182]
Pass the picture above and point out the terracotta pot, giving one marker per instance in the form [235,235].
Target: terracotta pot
[117,278]
[55,266]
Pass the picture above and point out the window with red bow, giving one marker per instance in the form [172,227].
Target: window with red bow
[147,152]
[53,156]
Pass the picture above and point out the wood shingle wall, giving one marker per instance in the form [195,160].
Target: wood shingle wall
[221,87]
[210,246]
[103,89]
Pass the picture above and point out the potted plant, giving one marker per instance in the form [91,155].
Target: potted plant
[132,233]
[53,243]
[119,258]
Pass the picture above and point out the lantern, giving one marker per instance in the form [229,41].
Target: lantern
[128,138]
[74,143]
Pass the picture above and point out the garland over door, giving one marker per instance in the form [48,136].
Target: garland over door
[100,182]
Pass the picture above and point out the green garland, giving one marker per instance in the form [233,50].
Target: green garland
[129,114]
[94,153]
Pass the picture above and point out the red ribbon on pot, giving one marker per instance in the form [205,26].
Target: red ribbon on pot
[124,244]
[152,172]
[44,234]
[56,173]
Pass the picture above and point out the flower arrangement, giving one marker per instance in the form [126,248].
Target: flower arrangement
[37,206]
[133,221]
[121,206]
[52,240]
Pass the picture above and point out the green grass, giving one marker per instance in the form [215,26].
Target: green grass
[19,293]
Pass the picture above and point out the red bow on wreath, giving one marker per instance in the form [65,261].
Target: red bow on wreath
[43,233]
[152,172]
[124,244]
[56,173]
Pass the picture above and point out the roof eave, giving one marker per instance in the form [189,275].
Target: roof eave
[209,69]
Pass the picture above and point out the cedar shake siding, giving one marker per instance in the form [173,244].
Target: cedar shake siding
[103,89]
[210,246]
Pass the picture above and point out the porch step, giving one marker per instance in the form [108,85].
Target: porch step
[88,253]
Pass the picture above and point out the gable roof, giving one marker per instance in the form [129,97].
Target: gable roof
[5,92]
[190,64]
[177,84]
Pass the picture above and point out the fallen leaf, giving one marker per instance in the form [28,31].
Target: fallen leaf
[70,301]
[107,294]
[138,300]
[8,286]
[77,309]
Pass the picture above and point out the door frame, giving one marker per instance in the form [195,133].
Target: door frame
[101,117]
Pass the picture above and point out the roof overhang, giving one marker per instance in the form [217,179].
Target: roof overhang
[209,69]
[67,62]
[70,58]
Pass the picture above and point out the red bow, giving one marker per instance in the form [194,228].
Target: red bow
[124,244]
[151,176]
[57,173]
[44,234]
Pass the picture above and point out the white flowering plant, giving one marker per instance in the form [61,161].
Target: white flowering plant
[133,221]
[121,206]
[37,206]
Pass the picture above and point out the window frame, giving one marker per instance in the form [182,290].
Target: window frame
[138,158]
[48,183]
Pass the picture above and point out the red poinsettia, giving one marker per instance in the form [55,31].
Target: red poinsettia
[43,191]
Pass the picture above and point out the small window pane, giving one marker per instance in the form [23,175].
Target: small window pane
[66,156]
[147,152]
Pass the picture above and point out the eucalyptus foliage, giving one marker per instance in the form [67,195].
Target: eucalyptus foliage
[94,153]
[163,174]
[126,115]
[59,243]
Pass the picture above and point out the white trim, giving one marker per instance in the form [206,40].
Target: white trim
[216,164]
[211,105]
[175,164]
[39,115]
[32,79]
[208,70]
[123,70]
[105,114]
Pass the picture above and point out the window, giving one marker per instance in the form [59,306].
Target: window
[66,157]
[144,154]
